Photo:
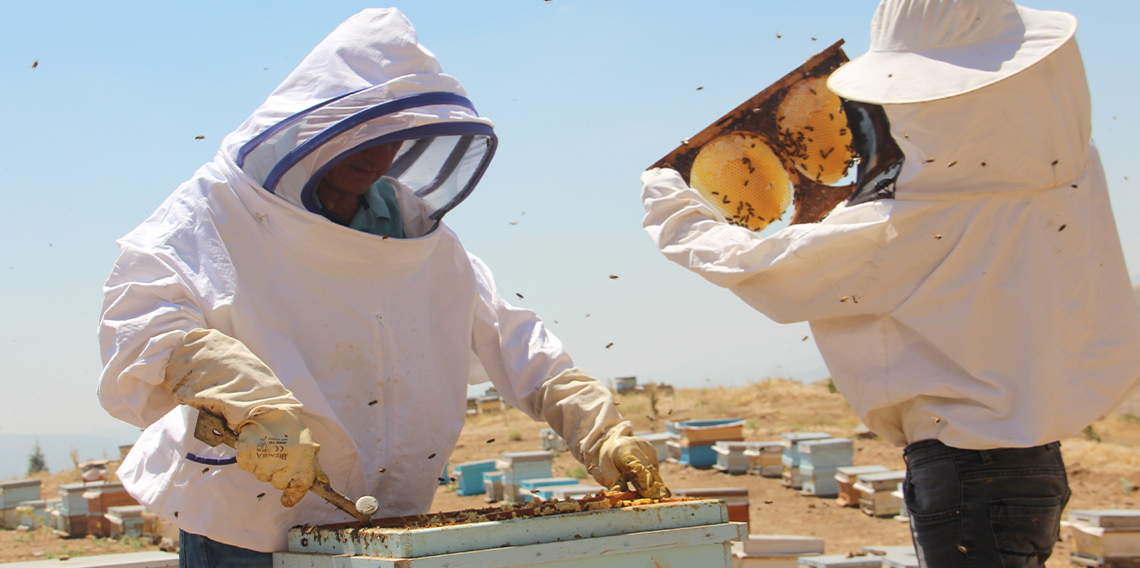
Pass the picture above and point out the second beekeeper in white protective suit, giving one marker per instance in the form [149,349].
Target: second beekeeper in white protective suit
[977,310]
[303,286]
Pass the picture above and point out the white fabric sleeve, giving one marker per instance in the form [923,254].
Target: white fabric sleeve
[803,272]
[533,373]
[147,310]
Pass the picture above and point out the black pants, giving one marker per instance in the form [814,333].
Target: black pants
[999,508]
[196,551]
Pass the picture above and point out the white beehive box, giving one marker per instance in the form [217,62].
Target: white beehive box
[517,466]
[660,443]
[680,533]
[876,490]
[774,551]
[764,458]
[845,477]
[1106,536]
[820,460]
[730,457]
[550,440]
[791,442]
[895,556]
[841,561]
[903,515]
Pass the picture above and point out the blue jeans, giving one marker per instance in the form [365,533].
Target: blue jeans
[196,551]
[999,508]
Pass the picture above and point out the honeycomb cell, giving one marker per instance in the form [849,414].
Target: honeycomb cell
[743,178]
[813,131]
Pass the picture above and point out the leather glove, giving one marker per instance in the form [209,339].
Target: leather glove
[216,373]
[630,460]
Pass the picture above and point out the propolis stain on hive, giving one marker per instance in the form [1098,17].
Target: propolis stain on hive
[743,178]
[814,132]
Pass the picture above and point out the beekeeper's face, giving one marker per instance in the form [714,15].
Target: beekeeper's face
[356,173]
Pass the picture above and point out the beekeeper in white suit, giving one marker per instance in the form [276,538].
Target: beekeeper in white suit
[303,286]
[978,312]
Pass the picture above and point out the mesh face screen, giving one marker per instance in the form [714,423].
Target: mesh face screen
[742,177]
[788,145]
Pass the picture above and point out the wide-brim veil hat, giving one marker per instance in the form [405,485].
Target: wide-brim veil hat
[925,50]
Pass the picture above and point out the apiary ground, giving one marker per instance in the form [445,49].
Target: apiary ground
[1104,474]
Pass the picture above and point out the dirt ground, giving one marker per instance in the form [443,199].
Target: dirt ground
[1103,467]
[1103,474]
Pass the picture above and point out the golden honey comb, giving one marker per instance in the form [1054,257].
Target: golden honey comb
[743,178]
[813,130]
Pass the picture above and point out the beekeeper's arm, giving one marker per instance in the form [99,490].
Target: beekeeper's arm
[533,373]
[158,354]
[849,264]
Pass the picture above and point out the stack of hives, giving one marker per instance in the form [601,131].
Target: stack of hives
[734,457]
[1107,538]
[12,494]
[791,458]
[820,460]
[519,466]
[469,477]
[550,440]
[876,493]
[696,438]
[845,478]
[764,458]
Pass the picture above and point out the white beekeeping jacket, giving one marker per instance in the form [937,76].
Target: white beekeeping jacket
[986,304]
[375,336]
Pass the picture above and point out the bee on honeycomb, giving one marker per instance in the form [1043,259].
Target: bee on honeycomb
[813,131]
[742,178]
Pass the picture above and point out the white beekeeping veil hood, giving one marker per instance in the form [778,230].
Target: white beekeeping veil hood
[368,83]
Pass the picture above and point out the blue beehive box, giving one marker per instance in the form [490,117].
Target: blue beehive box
[697,456]
[469,477]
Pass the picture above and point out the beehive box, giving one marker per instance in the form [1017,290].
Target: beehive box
[774,551]
[764,458]
[578,491]
[531,487]
[709,432]
[493,486]
[12,493]
[469,476]
[660,443]
[845,478]
[731,457]
[736,498]
[875,493]
[842,561]
[670,532]
[550,440]
[517,466]
[820,460]
[1108,537]
[125,520]
[903,515]
[791,442]
[894,556]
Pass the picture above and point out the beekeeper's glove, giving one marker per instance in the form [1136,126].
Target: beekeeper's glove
[627,459]
[217,373]
[581,410]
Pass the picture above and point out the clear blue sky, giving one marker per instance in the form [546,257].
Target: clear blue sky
[585,95]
